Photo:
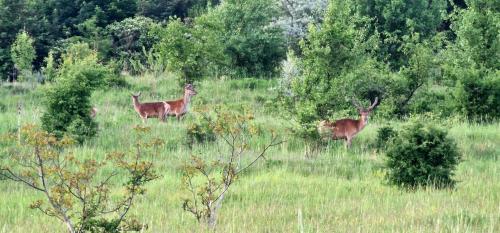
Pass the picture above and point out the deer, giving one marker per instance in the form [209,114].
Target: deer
[149,110]
[347,129]
[180,107]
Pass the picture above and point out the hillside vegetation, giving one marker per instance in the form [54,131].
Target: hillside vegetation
[411,89]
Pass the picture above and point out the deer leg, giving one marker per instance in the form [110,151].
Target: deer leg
[348,143]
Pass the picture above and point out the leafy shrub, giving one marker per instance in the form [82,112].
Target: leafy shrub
[199,132]
[479,98]
[422,155]
[384,135]
[68,101]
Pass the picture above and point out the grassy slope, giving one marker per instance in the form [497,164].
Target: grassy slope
[335,191]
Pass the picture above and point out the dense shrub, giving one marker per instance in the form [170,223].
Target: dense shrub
[384,135]
[479,98]
[422,155]
[199,132]
[68,100]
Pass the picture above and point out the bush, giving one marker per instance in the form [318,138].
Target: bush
[422,155]
[199,132]
[384,135]
[479,98]
[68,101]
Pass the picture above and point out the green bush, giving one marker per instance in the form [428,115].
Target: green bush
[68,100]
[422,155]
[199,132]
[479,98]
[384,135]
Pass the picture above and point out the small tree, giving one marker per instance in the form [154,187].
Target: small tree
[67,102]
[23,54]
[422,155]
[79,192]
[207,183]
[50,69]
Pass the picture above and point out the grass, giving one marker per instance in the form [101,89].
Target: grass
[333,191]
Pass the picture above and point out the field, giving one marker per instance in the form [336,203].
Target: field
[334,190]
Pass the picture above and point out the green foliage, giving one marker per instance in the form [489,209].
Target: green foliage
[130,37]
[393,20]
[67,102]
[23,54]
[384,135]
[422,155]
[199,132]
[192,52]
[50,69]
[78,192]
[478,97]
[254,45]
[472,64]
[334,69]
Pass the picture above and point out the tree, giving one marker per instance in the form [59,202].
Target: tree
[193,52]
[392,20]
[79,192]
[67,102]
[296,18]
[207,183]
[255,46]
[330,53]
[23,54]
[472,63]
[130,38]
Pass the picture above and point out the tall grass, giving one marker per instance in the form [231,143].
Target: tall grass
[336,190]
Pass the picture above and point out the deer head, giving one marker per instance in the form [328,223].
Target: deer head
[189,90]
[135,97]
[364,112]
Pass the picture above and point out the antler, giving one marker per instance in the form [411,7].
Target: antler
[374,103]
[356,103]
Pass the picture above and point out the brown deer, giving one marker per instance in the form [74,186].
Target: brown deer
[149,110]
[347,129]
[180,107]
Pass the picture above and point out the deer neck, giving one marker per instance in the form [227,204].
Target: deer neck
[363,120]
[186,99]
[136,102]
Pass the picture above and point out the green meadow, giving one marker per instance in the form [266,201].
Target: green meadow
[330,190]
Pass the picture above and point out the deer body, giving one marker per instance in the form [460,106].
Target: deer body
[346,129]
[149,110]
[180,107]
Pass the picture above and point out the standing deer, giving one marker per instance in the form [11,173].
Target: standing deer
[149,110]
[180,107]
[347,129]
